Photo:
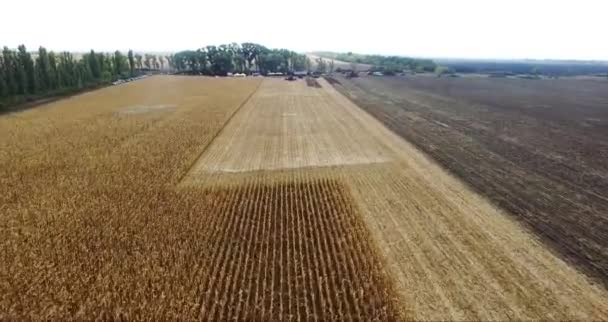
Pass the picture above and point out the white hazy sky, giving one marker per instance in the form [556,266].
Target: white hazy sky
[568,29]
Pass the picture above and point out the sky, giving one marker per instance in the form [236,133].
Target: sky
[506,29]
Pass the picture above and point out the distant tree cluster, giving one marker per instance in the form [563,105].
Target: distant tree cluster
[388,64]
[238,58]
[31,75]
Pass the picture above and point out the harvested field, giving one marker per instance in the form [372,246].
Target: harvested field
[535,148]
[289,125]
[253,199]
[450,253]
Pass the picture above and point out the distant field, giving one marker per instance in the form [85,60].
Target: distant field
[536,148]
[195,198]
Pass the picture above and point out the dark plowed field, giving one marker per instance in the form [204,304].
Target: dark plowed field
[538,149]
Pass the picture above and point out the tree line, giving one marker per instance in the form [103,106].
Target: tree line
[387,64]
[26,76]
[244,58]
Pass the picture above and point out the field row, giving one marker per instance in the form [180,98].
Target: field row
[292,251]
[91,223]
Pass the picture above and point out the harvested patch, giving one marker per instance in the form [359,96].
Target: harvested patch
[292,251]
[287,125]
[311,82]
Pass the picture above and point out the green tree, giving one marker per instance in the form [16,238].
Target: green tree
[220,59]
[286,55]
[180,61]
[43,69]
[27,71]
[84,76]
[154,62]
[321,65]
[272,61]
[308,64]
[299,62]
[170,62]
[10,71]
[92,60]
[249,52]
[139,59]
[3,87]
[66,70]
[148,61]
[131,62]
[120,64]
[54,82]
[105,65]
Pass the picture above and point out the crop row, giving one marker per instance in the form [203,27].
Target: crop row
[291,251]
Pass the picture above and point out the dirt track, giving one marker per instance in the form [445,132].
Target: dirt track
[535,148]
[451,254]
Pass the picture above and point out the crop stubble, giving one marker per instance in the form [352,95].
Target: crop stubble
[287,125]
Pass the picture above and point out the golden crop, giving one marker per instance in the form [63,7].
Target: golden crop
[93,225]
